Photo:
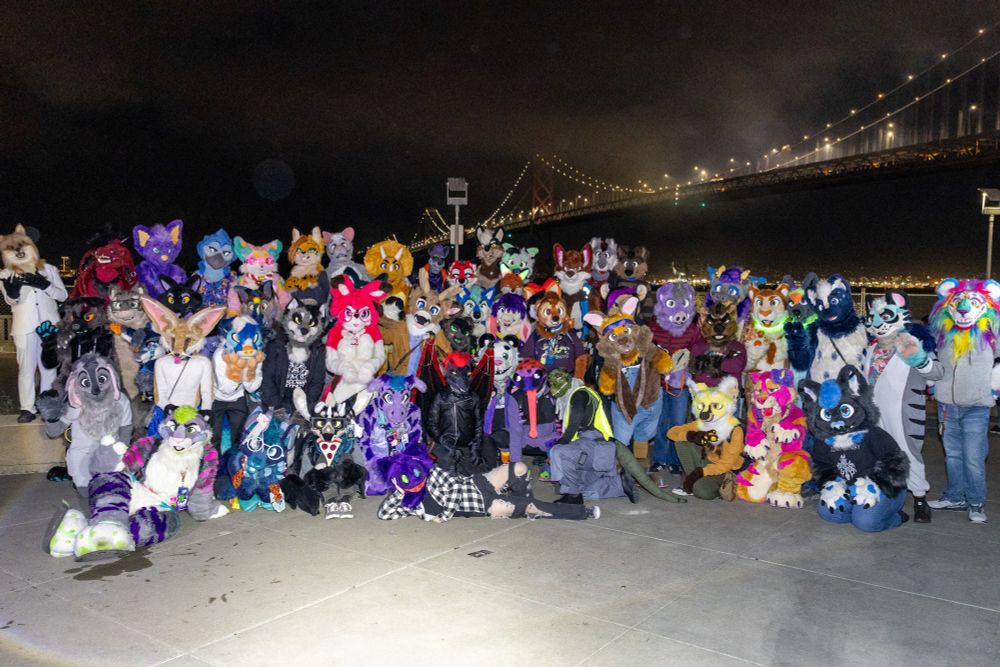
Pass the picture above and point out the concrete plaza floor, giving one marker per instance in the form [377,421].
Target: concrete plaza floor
[708,583]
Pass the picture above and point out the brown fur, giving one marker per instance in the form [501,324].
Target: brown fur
[18,242]
[182,337]
[720,316]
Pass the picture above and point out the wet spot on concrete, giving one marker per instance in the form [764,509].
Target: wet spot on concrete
[132,563]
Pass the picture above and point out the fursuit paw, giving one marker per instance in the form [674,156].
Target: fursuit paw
[756,451]
[219,511]
[834,496]
[50,405]
[106,539]
[62,538]
[865,493]
[784,499]
[108,457]
[783,436]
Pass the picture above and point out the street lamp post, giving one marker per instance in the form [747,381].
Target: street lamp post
[990,207]
[457,193]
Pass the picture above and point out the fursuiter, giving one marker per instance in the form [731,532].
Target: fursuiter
[250,475]
[631,374]
[94,407]
[965,321]
[128,325]
[33,289]
[392,326]
[712,444]
[463,274]
[307,280]
[510,283]
[340,252]
[530,423]
[434,269]
[519,261]
[604,253]
[428,344]
[183,298]
[839,335]
[238,364]
[263,305]
[489,252]
[477,304]
[354,347]
[572,270]
[182,375]
[83,328]
[504,492]
[106,262]
[294,359]
[631,270]
[158,246]
[324,472]
[136,499]
[455,422]
[459,333]
[259,265]
[509,317]
[216,255]
[392,262]
[776,432]
[501,355]
[675,330]
[554,341]
[764,339]
[730,285]
[859,467]
[389,424]
[719,354]
[899,363]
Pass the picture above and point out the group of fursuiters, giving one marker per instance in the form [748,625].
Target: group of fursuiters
[444,387]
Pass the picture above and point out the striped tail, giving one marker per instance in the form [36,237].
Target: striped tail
[151,526]
[109,494]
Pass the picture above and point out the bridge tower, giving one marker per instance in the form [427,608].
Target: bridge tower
[543,185]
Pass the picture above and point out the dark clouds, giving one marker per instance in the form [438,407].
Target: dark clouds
[142,112]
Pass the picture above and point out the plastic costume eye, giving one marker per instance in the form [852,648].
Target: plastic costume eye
[404,479]
[846,411]
[825,415]
[416,472]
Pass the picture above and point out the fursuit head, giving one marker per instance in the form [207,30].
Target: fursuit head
[19,251]
[604,258]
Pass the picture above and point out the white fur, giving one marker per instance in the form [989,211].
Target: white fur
[571,286]
[827,362]
[832,492]
[784,499]
[862,496]
[166,472]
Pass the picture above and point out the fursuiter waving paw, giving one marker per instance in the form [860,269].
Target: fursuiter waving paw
[859,467]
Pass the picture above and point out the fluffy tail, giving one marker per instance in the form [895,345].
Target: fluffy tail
[632,466]
[150,526]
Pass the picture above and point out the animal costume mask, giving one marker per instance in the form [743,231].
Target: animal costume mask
[719,324]
[605,258]
[125,307]
[476,303]
[519,261]
[183,298]
[19,252]
[259,263]
[182,336]
[572,268]
[393,262]
[435,269]
[428,308]
[217,254]
[967,315]
[340,250]
[390,424]
[408,472]
[159,246]
[458,331]
[730,285]
[489,253]
[306,257]
[675,306]
[253,471]
[765,337]
[633,263]
[107,262]
[509,317]
[887,315]
[552,316]
[462,273]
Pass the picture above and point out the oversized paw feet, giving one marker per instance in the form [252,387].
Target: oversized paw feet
[63,536]
[784,499]
[833,497]
[106,539]
[865,493]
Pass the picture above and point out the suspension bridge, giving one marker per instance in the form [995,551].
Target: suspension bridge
[946,115]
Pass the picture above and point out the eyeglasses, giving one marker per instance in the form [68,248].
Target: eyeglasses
[125,304]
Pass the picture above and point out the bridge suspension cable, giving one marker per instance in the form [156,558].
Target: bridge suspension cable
[513,188]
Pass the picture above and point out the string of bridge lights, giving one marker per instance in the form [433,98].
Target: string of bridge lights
[517,181]
[589,181]
[892,114]
[910,79]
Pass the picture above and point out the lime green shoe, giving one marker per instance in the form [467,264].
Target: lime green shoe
[63,533]
[106,539]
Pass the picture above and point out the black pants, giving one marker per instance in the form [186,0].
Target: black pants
[238,411]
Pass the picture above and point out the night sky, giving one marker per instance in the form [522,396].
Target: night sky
[143,112]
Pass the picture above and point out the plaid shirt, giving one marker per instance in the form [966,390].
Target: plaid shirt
[455,493]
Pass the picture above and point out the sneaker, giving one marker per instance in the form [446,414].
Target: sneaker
[921,510]
[333,510]
[594,512]
[945,504]
[628,486]
[25,417]
[977,514]
[680,492]
[995,429]
[656,467]
[903,517]
[346,511]
[570,499]
[675,469]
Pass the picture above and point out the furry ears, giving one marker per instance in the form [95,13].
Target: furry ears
[730,385]
[809,391]
[594,318]
[897,298]
[316,235]
[347,233]
[853,380]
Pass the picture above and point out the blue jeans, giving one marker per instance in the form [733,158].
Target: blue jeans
[883,516]
[674,413]
[966,444]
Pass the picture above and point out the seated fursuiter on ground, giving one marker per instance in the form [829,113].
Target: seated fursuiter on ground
[136,501]
[250,475]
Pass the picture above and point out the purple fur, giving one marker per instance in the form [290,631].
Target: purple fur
[388,418]
[679,314]
[731,276]
[510,302]
[157,264]
[413,463]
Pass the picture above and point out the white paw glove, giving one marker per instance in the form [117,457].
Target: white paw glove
[865,493]
[834,497]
